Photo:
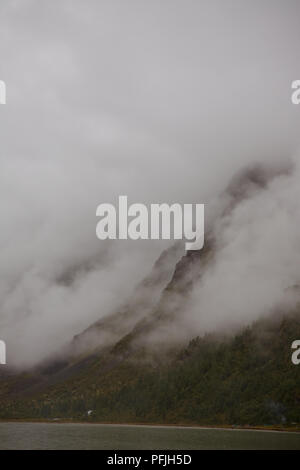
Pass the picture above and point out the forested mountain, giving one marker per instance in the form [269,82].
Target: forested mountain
[140,363]
[246,379]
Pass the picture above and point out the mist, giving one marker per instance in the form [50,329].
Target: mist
[159,101]
[254,269]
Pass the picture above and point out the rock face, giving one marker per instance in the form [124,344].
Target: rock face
[162,295]
[160,298]
[110,329]
[142,329]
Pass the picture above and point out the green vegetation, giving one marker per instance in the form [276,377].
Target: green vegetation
[247,379]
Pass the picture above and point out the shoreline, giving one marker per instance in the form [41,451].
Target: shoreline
[224,427]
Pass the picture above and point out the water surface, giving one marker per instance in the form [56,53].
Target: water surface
[118,437]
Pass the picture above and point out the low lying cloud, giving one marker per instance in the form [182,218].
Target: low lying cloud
[255,266]
[162,102]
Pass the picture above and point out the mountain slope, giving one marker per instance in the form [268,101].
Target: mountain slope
[244,379]
[133,365]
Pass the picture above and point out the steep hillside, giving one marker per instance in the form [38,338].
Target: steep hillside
[132,365]
[245,379]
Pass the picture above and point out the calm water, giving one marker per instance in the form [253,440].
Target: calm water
[105,436]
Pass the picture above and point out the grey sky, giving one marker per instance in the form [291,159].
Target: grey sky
[158,100]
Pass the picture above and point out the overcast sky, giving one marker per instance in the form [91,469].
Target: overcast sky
[162,101]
